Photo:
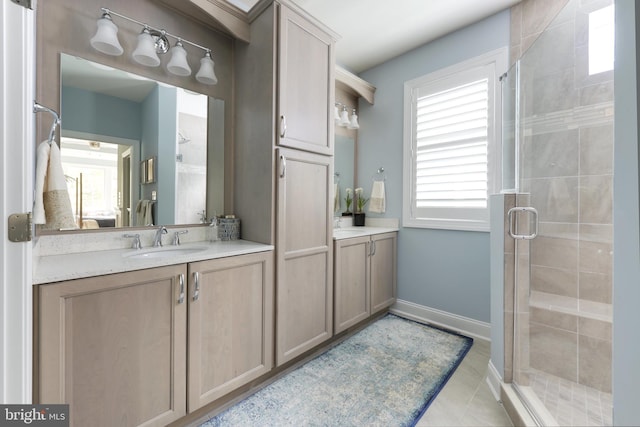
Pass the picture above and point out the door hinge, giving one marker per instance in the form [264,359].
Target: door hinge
[29,4]
[20,226]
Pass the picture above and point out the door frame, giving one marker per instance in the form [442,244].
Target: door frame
[17,133]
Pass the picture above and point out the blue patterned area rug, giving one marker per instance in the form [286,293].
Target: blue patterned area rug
[385,375]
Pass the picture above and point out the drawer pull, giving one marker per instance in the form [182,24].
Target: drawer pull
[196,290]
[181,297]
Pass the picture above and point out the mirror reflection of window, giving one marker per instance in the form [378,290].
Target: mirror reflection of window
[601,40]
[93,177]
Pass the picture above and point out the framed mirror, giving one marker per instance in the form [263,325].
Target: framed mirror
[344,169]
[113,120]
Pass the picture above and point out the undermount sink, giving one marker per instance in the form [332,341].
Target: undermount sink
[164,252]
[342,232]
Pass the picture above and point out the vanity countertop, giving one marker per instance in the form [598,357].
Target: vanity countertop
[56,268]
[351,232]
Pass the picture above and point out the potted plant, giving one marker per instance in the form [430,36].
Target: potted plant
[361,201]
[348,200]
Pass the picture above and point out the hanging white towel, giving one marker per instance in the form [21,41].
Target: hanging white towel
[148,212]
[144,213]
[57,204]
[336,197]
[42,164]
[140,213]
[377,201]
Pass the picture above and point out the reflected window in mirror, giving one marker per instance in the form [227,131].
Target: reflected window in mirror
[92,173]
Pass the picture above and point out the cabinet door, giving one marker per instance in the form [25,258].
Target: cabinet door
[351,282]
[304,266]
[305,85]
[113,348]
[383,271]
[230,324]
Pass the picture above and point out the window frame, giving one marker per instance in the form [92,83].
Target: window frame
[491,65]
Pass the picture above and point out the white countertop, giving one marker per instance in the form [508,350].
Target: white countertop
[351,232]
[55,268]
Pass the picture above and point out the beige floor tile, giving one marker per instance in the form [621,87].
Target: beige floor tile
[466,399]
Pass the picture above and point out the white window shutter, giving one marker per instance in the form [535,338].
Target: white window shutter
[451,147]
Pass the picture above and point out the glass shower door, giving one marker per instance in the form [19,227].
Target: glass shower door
[563,132]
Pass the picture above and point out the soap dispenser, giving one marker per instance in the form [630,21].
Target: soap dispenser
[213,229]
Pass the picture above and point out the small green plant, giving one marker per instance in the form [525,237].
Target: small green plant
[361,201]
[349,198]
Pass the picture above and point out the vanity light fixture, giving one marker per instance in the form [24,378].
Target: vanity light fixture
[178,64]
[152,42]
[353,121]
[106,38]
[342,118]
[145,52]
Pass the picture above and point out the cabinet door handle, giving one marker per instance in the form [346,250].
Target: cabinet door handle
[283,126]
[373,248]
[181,297]
[196,289]
[283,166]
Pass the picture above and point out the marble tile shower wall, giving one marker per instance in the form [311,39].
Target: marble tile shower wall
[568,130]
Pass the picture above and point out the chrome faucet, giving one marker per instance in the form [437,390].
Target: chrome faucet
[136,240]
[176,237]
[157,240]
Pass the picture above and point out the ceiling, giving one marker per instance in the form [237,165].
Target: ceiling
[91,76]
[374,31]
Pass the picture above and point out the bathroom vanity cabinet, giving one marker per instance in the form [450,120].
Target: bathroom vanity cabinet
[364,277]
[304,263]
[114,347]
[122,349]
[284,165]
[230,326]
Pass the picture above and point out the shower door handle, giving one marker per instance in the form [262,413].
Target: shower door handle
[512,226]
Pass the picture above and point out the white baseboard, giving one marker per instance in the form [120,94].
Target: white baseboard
[464,325]
[494,381]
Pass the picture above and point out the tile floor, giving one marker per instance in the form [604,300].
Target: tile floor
[572,404]
[466,399]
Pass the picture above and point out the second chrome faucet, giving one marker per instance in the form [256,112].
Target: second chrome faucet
[157,240]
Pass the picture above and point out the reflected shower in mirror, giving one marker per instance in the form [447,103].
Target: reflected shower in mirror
[136,152]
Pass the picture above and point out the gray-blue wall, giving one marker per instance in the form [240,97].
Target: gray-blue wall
[626,219]
[91,112]
[159,112]
[445,270]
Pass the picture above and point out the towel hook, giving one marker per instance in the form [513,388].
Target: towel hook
[38,108]
[380,174]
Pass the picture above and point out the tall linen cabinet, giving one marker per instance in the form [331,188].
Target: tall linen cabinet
[284,165]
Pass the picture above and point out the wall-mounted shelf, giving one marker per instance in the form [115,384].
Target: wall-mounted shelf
[353,84]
